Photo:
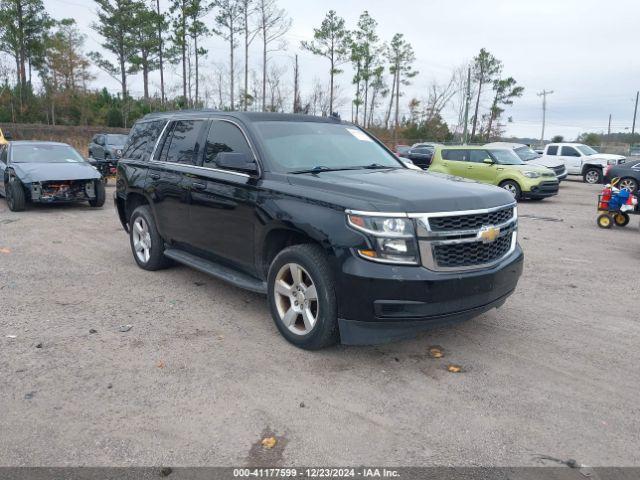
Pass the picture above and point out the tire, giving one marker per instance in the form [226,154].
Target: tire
[629,183]
[621,219]
[513,188]
[143,229]
[592,176]
[604,220]
[100,195]
[312,323]
[16,198]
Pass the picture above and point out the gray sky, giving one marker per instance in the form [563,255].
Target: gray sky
[586,51]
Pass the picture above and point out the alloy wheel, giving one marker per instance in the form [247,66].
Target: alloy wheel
[628,183]
[511,188]
[592,176]
[296,299]
[141,239]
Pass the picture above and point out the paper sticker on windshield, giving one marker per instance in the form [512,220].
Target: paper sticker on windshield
[360,135]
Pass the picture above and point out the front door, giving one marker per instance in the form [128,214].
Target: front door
[484,172]
[571,157]
[223,201]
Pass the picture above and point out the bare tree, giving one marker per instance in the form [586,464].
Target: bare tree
[274,23]
[250,31]
[228,26]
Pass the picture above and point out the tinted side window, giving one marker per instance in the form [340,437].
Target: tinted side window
[183,144]
[478,156]
[141,140]
[456,155]
[3,153]
[570,152]
[224,137]
[552,150]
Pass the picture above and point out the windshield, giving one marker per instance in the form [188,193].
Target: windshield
[586,150]
[506,157]
[42,153]
[298,146]
[526,153]
[116,139]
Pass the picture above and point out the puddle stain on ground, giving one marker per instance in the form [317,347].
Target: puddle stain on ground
[260,456]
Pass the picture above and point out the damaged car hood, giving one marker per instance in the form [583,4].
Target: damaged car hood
[42,172]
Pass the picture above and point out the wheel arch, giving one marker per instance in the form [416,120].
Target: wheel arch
[277,239]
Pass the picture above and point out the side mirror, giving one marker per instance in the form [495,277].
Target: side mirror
[8,136]
[237,161]
[488,161]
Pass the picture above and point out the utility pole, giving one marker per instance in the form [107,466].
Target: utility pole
[544,94]
[635,113]
[609,129]
[467,98]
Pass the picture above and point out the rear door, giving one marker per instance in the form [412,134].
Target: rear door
[223,201]
[572,158]
[4,149]
[458,162]
[175,157]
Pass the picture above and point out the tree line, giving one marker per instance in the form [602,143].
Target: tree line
[48,76]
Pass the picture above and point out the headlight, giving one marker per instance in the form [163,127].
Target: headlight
[612,162]
[531,174]
[392,239]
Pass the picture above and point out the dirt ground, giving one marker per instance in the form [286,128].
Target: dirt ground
[203,375]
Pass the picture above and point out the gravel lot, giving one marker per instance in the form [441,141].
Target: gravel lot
[204,375]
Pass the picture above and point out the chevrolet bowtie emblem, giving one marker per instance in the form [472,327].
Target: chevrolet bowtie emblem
[488,234]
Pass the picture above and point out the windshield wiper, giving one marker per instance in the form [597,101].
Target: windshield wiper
[376,166]
[321,168]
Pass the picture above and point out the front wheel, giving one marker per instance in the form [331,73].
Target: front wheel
[621,219]
[513,188]
[302,297]
[592,176]
[100,195]
[146,243]
[16,198]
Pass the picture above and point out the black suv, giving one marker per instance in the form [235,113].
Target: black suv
[346,242]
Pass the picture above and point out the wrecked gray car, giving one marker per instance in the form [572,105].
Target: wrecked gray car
[47,172]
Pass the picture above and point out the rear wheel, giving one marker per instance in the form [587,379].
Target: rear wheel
[630,184]
[513,188]
[604,220]
[146,243]
[100,194]
[302,297]
[16,198]
[593,175]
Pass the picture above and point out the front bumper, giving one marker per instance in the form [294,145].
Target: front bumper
[542,190]
[381,303]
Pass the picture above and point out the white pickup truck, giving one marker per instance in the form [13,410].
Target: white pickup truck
[582,160]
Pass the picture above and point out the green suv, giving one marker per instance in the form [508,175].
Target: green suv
[496,166]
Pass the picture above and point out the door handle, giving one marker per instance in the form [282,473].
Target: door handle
[199,186]
[155,176]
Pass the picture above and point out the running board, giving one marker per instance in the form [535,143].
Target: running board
[227,274]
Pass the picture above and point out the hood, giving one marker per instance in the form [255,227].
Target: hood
[607,156]
[398,190]
[42,172]
[545,162]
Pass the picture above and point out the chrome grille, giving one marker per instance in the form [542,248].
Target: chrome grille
[467,222]
[457,241]
[471,254]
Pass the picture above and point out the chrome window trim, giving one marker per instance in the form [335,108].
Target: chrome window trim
[230,172]
[212,119]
